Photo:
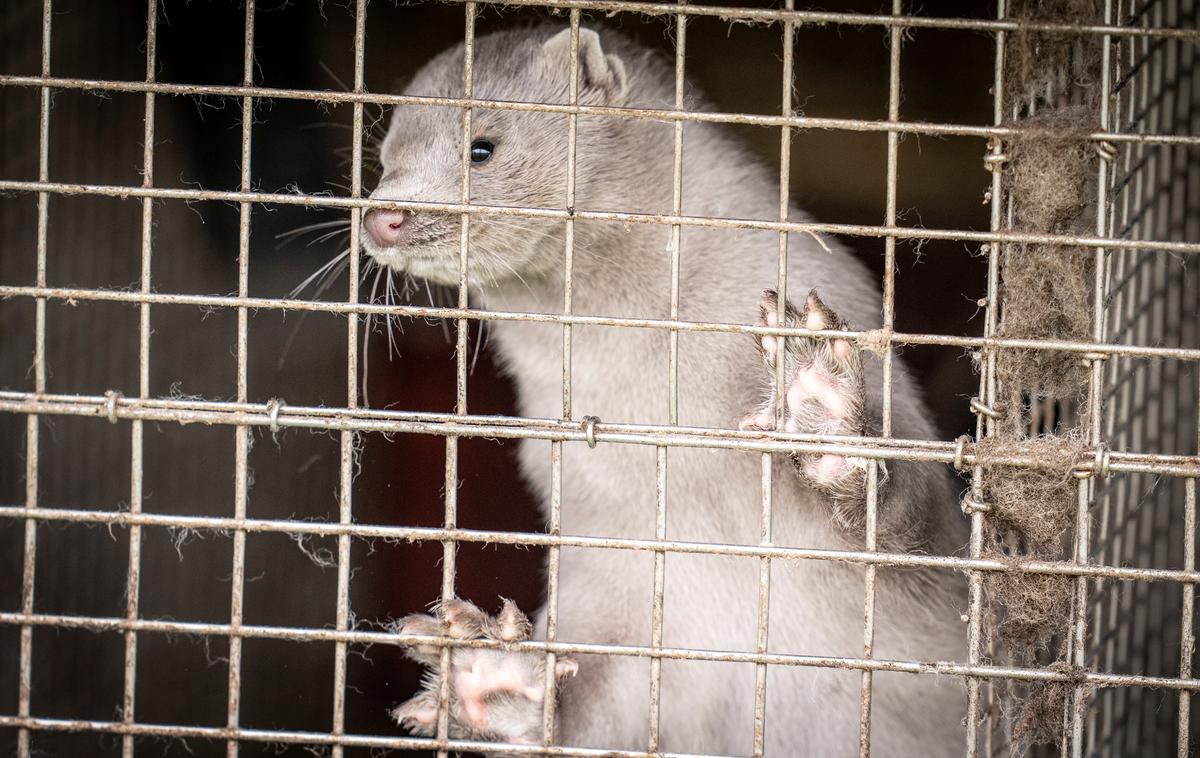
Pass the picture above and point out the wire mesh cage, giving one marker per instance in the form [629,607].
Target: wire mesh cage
[202,548]
[1155,85]
[1133,720]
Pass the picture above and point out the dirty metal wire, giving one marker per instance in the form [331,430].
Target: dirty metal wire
[766,462]
[793,120]
[895,39]
[554,527]
[312,634]
[1089,488]
[241,472]
[562,214]
[348,438]
[137,449]
[450,508]
[277,415]
[73,294]
[657,600]
[985,424]
[32,423]
[1187,636]
[731,14]
[222,524]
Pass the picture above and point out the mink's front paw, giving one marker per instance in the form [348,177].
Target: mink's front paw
[495,695]
[824,393]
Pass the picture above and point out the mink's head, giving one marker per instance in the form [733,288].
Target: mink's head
[518,158]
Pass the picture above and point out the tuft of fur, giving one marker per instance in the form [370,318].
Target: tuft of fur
[1047,288]
[1038,62]
[1044,709]
[1035,505]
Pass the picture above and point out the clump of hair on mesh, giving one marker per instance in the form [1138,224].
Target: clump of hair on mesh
[1043,711]
[1052,170]
[1036,609]
[1037,61]
[1051,93]
[1034,505]
[1051,173]
[1030,511]
[1047,292]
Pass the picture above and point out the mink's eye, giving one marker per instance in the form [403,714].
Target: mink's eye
[481,151]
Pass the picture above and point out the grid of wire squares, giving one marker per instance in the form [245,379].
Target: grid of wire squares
[1132,563]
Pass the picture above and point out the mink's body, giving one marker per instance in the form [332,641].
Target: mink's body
[621,375]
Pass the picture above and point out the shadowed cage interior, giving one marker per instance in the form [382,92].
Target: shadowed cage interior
[206,526]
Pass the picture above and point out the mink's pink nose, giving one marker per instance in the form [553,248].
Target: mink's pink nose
[386,227]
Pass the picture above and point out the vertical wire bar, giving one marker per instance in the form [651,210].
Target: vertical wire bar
[569,225]
[676,210]
[889,242]
[987,388]
[1187,637]
[889,318]
[1113,505]
[25,675]
[1159,427]
[1127,726]
[657,608]
[1144,388]
[1139,103]
[450,520]
[1090,486]
[550,700]
[764,608]
[656,611]
[133,577]
[242,433]
[1121,309]
[767,487]
[349,438]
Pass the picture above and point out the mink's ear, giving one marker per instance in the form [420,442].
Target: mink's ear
[597,72]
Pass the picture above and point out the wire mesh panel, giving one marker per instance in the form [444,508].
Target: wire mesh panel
[1143,519]
[1103,433]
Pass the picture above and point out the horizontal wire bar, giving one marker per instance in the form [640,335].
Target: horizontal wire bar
[276,414]
[320,738]
[821,18]
[307,634]
[651,114]
[813,228]
[71,295]
[537,539]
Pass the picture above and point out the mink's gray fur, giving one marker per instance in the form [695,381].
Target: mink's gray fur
[621,374]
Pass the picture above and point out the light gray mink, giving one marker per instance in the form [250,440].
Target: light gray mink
[711,602]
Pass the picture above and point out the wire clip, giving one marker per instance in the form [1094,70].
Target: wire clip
[960,449]
[981,408]
[589,429]
[111,397]
[274,406]
[1099,465]
[970,505]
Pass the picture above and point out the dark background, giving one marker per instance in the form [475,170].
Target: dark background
[840,71]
